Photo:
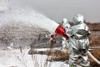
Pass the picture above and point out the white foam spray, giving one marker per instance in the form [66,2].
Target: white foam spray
[29,17]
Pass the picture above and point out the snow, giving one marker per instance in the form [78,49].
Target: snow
[14,58]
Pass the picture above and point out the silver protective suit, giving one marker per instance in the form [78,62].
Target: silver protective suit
[77,44]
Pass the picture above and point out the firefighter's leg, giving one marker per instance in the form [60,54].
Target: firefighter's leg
[72,57]
[73,60]
[64,44]
[84,59]
[73,53]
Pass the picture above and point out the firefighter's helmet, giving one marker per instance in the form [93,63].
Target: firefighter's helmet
[78,19]
[65,23]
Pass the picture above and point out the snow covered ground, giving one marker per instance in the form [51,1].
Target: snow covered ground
[14,58]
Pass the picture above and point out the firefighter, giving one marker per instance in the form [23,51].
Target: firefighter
[78,42]
[66,26]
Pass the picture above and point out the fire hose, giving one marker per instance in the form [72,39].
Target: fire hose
[95,59]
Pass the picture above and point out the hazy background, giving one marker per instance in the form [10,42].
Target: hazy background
[58,9]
